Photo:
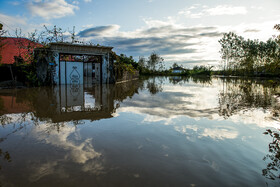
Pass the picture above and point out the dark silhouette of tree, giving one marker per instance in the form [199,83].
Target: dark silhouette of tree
[273,167]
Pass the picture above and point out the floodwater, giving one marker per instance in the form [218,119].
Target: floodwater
[160,131]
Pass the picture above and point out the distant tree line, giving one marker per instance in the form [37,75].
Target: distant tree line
[250,57]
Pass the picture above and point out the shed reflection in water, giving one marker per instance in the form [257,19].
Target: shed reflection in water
[160,131]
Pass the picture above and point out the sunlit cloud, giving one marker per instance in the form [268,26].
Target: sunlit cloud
[20,24]
[198,11]
[79,153]
[49,9]
[194,101]
[214,132]
[76,2]
[219,133]
[252,30]
[226,10]
[99,31]
[170,41]
[12,21]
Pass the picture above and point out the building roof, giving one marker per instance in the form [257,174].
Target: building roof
[12,47]
[80,49]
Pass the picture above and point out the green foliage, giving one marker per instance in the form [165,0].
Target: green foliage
[126,60]
[153,66]
[175,65]
[124,64]
[201,70]
[154,62]
[277,27]
[250,57]
[31,75]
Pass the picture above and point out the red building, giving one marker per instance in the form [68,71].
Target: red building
[16,49]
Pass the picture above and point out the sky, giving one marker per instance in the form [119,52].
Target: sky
[181,31]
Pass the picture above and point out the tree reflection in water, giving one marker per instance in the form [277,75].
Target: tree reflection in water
[154,85]
[273,158]
[185,79]
[242,95]
[4,156]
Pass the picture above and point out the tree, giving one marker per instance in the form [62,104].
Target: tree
[175,65]
[231,49]
[141,62]
[277,27]
[155,61]
[250,57]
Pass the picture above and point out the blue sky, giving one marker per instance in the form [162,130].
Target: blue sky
[182,31]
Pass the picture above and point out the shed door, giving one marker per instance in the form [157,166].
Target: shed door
[71,73]
[74,73]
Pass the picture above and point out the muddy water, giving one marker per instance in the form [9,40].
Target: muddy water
[163,131]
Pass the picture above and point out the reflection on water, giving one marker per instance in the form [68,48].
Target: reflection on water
[5,155]
[159,131]
[65,103]
[239,95]
[272,169]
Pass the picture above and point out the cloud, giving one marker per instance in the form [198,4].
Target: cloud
[226,10]
[99,31]
[13,23]
[87,1]
[213,131]
[79,151]
[167,40]
[220,133]
[76,2]
[12,20]
[49,9]
[252,30]
[176,100]
[198,11]
[174,39]
[15,3]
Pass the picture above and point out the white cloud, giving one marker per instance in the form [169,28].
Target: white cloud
[12,20]
[15,3]
[13,23]
[257,7]
[49,9]
[101,31]
[159,23]
[212,131]
[87,1]
[226,10]
[76,2]
[220,133]
[77,152]
[172,41]
[198,11]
